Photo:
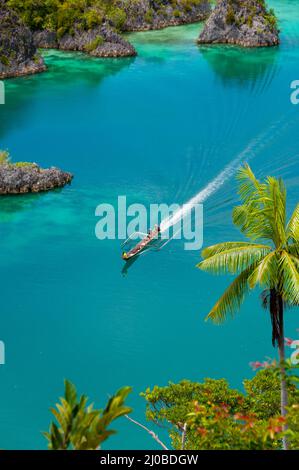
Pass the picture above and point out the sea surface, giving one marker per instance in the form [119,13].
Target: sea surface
[156,128]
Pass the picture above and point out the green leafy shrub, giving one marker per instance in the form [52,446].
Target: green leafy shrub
[93,18]
[230,15]
[62,16]
[4,60]
[34,12]
[271,19]
[161,12]
[263,393]
[117,17]
[36,59]
[24,165]
[4,157]
[66,16]
[214,416]
[80,426]
[218,428]
[250,21]
[188,5]
[98,41]
[149,16]
[293,430]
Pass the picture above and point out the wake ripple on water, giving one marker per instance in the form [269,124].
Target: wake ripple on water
[252,149]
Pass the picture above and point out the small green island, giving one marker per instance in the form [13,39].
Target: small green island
[245,23]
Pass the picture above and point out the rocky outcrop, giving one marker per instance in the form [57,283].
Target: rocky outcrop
[18,54]
[94,27]
[144,15]
[246,23]
[99,42]
[30,178]
[45,39]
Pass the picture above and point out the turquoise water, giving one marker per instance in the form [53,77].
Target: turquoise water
[156,128]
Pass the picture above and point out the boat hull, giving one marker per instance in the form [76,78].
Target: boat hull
[141,246]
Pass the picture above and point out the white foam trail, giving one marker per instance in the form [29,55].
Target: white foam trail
[215,184]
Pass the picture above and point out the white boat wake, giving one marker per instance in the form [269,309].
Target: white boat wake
[248,153]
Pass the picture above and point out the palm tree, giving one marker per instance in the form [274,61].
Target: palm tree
[270,259]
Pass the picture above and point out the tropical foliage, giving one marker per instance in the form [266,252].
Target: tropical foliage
[80,426]
[211,415]
[270,259]
[4,157]
[63,15]
[250,12]
[293,431]
[274,265]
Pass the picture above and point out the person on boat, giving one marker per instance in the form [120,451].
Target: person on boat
[125,255]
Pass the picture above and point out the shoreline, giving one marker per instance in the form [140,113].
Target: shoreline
[23,178]
[24,72]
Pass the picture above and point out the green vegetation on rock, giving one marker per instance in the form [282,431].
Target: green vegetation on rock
[98,41]
[4,60]
[66,16]
[251,11]
[4,157]
[62,16]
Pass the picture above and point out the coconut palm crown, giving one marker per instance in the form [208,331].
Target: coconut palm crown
[270,259]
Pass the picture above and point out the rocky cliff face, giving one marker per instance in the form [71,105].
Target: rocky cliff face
[246,23]
[99,42]
[18,54]
[30,178]
[156,14]
[94,26]
[141,15]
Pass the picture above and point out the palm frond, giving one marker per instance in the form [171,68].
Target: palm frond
[293,226]
[274,265]
[220,247]
[249,185]
[293,249]
[265,273]
[295,260]
[263,212]
[275,209]
[289,265]
[252,221]
[232,299]
[234,260]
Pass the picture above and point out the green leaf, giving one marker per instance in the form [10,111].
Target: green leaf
[70,392]
[265,272]
[289,266]
[233,297]
[81,426]
[234,260]
[293,225]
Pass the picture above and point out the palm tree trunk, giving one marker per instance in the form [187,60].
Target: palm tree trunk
[283,392]
[277,311]
[283,376]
